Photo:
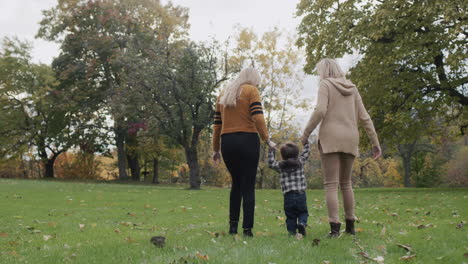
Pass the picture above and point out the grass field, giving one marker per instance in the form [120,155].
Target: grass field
[57,222]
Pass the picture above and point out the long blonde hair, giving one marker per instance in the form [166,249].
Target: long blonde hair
[329,68]
[232,91]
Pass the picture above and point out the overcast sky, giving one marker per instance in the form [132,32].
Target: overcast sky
[208,18]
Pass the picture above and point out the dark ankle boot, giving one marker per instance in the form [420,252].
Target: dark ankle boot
[248,232]
[350,227]
[334,230]
[233,227]
[301,228]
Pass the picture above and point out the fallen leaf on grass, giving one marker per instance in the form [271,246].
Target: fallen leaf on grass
[315,242]
[213,234]
[201,256]
[13,243]
[379,259]
[408,257]
[129,239]
[46,237]
[117,231]
[424,226]
[82,226]
[3,234]
[406,247]
[383,231]
[359,229]
[280,218]
[325,262]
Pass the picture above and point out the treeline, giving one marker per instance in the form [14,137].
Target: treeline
[131,96]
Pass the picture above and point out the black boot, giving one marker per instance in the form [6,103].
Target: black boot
[301,228]
[233,227]
[350,227]
[248,232]
[334,230]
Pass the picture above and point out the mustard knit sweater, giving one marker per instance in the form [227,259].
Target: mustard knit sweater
[246,116]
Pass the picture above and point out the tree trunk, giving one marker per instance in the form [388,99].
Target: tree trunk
[191,154]
[120,142]
[407,167]
[134,165]
[155,171]
[406,153]
[49,166]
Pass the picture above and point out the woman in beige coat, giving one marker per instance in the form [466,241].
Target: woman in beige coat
[339,109]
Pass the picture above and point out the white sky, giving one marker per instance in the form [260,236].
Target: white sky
[208,18]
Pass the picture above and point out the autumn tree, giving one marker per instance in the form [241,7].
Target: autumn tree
[94,36]
[178,78]
[412,63]
[33,114]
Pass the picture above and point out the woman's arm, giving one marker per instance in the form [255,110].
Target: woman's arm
[319,112]
[217,126]
[366,121]
[256,111]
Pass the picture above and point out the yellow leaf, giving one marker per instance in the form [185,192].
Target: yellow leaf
[201,256]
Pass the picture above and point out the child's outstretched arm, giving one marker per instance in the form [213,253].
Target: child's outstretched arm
[272,163]
[305,153]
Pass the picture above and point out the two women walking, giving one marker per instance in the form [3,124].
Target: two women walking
[239,121]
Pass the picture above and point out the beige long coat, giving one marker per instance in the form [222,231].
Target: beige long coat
[340,109]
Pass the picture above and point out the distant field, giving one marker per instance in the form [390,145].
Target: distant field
[55,222]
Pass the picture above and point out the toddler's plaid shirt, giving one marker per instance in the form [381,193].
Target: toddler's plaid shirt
[291,180]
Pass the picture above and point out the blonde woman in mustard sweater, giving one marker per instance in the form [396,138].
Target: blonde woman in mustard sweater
[238,121]
[339,110]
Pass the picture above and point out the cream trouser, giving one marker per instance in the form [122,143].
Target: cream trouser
[337,169]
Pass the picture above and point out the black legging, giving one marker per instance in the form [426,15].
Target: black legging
[241,152]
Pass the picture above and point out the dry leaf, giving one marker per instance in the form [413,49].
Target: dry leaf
[325,262]
[46,237]
[201,256]
[315,242]
[359,229]
[129,239]
[408,257]
[117,231]
[383,231]
[406,247]
[82,226]
[3,234]
[280,218]
[379,259]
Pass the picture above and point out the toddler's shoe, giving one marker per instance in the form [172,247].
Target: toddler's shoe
[301,228]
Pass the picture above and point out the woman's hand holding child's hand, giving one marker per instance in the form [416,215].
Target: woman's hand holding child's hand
[216,158]
[271,144]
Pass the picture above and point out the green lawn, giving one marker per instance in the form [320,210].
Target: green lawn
[55,222]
